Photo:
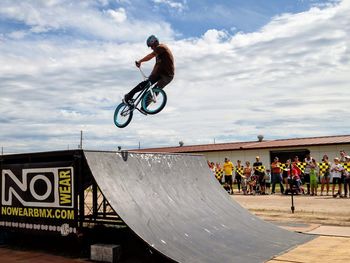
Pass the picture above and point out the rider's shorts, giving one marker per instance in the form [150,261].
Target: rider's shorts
[161,80]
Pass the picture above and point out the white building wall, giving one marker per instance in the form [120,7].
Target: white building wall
[317,152]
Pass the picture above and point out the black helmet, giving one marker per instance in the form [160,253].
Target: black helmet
[151,40]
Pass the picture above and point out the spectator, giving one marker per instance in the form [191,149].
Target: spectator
[238,175]
[211,166]
[296,181]
[336,172]
[247,172]
[286,174]
[267,181]
[313,177]
[308,160]
[228,169]
[342,156]
[346,178]
[259,174]
[218,172]
[276,175]
[325,175]
[295,165]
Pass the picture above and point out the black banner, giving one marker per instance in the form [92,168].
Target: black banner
[38,197]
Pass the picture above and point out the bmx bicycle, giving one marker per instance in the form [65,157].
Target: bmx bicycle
[151,98]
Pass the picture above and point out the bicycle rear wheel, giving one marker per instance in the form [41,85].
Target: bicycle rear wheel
[153,105]
[122,115]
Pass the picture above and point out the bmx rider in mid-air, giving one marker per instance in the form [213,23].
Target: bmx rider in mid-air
[163,71]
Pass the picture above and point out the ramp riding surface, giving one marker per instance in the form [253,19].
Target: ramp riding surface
[174,203]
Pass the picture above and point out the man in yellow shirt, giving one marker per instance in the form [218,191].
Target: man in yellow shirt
[228,169]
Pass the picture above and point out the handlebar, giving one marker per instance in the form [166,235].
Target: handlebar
[141,71]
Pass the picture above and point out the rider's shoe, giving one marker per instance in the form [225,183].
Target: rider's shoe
[128,102]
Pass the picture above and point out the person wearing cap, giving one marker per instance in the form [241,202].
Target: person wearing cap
[276,176]
[163,70]
[259,174]
[336,173]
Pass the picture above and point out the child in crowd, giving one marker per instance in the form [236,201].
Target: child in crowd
[313,177]
[252,184]
[286,174]
[336,172]
[296,181]
[268,181]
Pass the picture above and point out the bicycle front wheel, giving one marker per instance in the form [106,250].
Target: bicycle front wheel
[122,115]
[154,104]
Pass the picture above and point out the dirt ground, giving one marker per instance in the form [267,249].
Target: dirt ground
[325,217]
[324,210]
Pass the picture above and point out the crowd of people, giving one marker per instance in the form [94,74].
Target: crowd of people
[294,176]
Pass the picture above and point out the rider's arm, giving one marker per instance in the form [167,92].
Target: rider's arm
[147,58]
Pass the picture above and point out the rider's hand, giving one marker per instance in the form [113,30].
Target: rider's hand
[138,64]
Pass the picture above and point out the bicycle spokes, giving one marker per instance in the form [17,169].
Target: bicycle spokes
[154,101]
[122,115]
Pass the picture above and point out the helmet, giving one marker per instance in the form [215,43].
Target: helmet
[151,40]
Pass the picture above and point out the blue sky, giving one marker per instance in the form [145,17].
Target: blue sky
[194,18]
[188,18]
[243,68]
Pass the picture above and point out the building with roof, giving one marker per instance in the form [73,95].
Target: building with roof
[266,149]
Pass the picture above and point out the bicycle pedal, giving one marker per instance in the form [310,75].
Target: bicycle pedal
[129,102]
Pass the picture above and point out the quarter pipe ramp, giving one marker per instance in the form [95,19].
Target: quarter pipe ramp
[174,204]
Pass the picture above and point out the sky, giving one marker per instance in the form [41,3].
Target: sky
[243,68]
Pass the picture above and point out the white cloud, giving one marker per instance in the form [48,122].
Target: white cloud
[179,6]
[81,19]
[214,36]
[289,79]
[119,15]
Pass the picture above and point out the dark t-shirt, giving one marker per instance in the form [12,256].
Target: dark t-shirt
[257,164]
[164,61]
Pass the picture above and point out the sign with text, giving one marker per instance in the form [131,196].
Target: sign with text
[37,198]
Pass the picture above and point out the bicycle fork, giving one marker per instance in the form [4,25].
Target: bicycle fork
[153,96]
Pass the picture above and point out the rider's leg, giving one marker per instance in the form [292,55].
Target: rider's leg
[138,88]
[164,80]
[161,80]
[153,79]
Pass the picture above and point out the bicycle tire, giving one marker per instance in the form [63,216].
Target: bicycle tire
[119,120]
[150,107]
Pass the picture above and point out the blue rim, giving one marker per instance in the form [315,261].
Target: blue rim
[116,114]
[144,101]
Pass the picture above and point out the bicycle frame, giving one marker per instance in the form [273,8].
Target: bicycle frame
[152,99]
[138,99]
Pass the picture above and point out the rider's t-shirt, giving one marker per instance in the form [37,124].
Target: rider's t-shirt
[164,61]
